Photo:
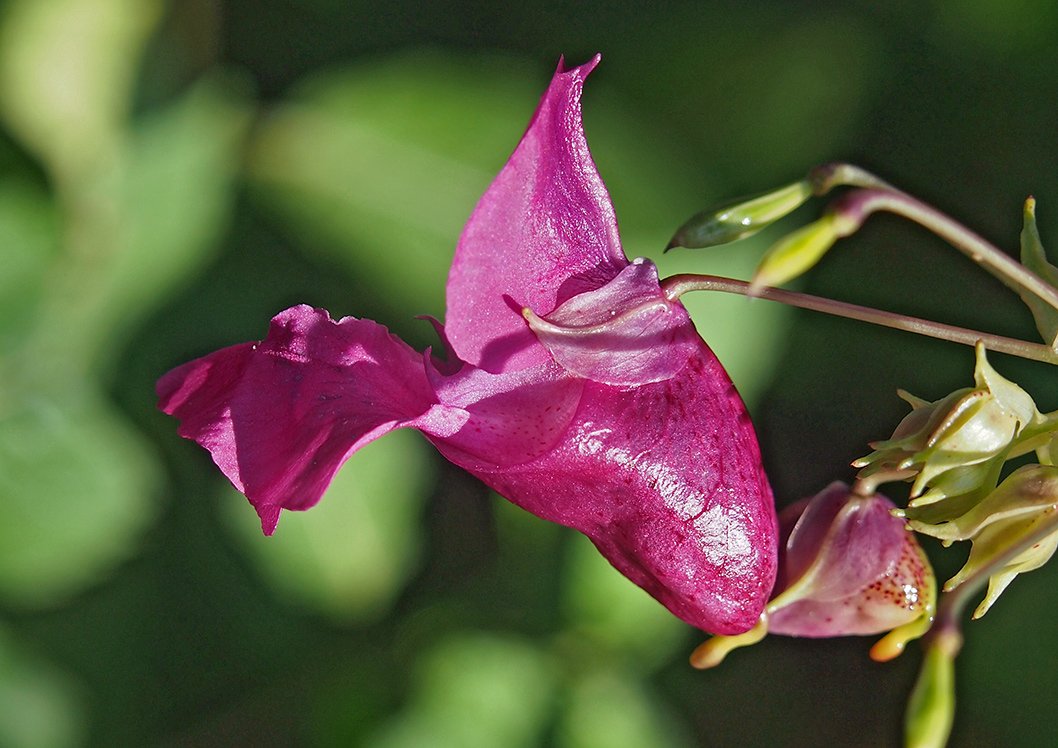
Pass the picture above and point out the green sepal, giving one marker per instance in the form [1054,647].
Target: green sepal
[1034,257]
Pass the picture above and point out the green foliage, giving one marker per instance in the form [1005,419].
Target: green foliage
[352,554]
[475,691]
[42,708]
[76,487]
[373,165]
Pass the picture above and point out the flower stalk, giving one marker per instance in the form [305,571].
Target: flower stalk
[676,285]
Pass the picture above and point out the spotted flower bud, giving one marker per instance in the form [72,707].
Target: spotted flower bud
[847,566]
[937,441]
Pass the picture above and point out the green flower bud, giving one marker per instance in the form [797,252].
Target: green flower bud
[796,253]
[1034,257]
[1029,490]
[938,442]
[931,709]
[1007,517]
[740,219]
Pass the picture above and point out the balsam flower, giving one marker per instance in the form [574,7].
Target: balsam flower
[847,566]
[606,412]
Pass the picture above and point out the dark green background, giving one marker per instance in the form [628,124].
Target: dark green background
[184,638]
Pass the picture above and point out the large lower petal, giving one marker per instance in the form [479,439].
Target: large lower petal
[666,480]
[544,231]
[279,417]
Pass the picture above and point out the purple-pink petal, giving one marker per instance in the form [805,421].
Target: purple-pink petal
[666,480]
[279,417]
[625,333]
[625,426]
[841,540]
[544,231]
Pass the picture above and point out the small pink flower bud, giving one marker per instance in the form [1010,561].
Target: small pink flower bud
[849,567]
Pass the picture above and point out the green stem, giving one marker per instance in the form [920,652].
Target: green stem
[677,285]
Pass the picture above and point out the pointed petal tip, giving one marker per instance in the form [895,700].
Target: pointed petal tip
[269,514]
[583,70]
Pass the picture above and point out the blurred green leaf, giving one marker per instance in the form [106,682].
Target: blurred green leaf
[609,709]
[66,73]
[28,245]
[41,708]
[476,691]
[76,493]
[600,601]
[380,165]
[350,555]
[176,190]
[772,92]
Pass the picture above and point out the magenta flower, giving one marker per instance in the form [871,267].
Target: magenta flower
[572,386]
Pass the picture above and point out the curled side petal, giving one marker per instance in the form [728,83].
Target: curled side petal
[279,417]
[626,333]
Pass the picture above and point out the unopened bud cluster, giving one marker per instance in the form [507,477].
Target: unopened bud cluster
[955,450]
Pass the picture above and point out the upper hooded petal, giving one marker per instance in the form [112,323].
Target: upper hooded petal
[544,231]
[279,417]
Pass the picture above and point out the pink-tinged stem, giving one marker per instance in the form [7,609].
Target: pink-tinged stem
[677,285]
[877,195]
